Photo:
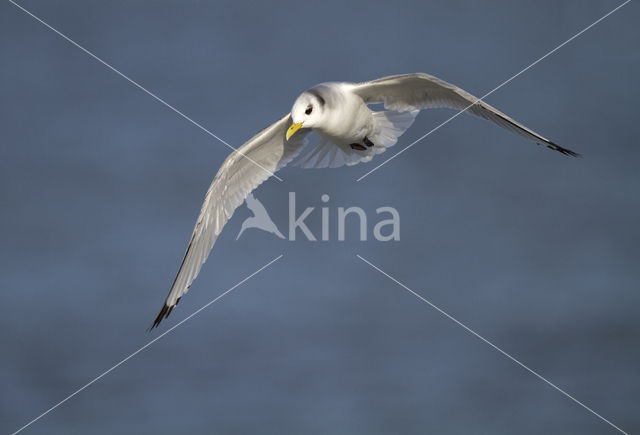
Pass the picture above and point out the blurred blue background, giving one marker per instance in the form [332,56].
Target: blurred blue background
[101,185]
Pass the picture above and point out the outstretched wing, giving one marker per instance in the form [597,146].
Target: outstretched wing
[423,91]
[240,174]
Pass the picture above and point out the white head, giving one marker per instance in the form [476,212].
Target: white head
[307,111]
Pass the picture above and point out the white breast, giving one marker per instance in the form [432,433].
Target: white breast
[347,118]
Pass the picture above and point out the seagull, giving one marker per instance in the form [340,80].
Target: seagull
[347,132]
[260,219]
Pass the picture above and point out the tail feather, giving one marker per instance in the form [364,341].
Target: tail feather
[388,126]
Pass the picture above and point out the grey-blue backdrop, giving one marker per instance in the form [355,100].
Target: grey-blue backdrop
[100,187]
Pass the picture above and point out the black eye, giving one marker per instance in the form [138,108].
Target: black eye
[308,111]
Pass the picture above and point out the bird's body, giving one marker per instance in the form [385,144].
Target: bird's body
[349,133]
[351,123]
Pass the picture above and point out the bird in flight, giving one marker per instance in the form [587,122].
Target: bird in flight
[348,132]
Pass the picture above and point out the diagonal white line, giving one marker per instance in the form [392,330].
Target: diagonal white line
[145,90]
[493,90]
[146,345]
[490,343]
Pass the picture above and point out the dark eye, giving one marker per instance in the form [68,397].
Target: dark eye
[308,111]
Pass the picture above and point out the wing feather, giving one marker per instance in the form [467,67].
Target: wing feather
[423,91]
[238,176]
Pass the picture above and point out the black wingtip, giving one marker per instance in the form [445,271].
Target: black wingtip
[565,151]
[163,314]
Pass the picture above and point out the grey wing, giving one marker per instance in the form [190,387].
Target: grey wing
[423,91]
[240,174]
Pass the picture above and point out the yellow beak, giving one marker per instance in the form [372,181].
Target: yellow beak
[293,129]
